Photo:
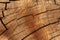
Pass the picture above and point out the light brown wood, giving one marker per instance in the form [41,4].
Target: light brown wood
[30,20]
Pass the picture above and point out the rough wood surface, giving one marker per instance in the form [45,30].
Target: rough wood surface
[30,20]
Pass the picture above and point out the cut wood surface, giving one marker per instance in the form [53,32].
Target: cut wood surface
[30,20]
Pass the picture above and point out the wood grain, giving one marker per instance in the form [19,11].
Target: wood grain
[30,20]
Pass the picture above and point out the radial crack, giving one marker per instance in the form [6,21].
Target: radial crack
[4,27]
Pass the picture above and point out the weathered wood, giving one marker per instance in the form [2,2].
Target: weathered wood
[30,20]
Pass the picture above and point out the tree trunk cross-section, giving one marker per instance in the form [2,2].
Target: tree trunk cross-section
[29,19]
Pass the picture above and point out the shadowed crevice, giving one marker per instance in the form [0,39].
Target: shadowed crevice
[4,27]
